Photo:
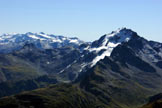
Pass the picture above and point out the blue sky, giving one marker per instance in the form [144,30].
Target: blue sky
[86,19]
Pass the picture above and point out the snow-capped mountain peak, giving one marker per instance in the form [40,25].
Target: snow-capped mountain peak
[122,34]
[108,42]
[97,50]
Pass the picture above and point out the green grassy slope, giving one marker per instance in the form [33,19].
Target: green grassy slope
[56,96]
[13,87]
[13,68]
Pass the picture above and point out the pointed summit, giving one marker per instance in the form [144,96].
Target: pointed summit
[108,42]
[122,34]
[115,37]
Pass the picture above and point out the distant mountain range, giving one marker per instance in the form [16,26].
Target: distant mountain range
[11,42]
[119,70]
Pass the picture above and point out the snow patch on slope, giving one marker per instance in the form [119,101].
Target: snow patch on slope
[109,42]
